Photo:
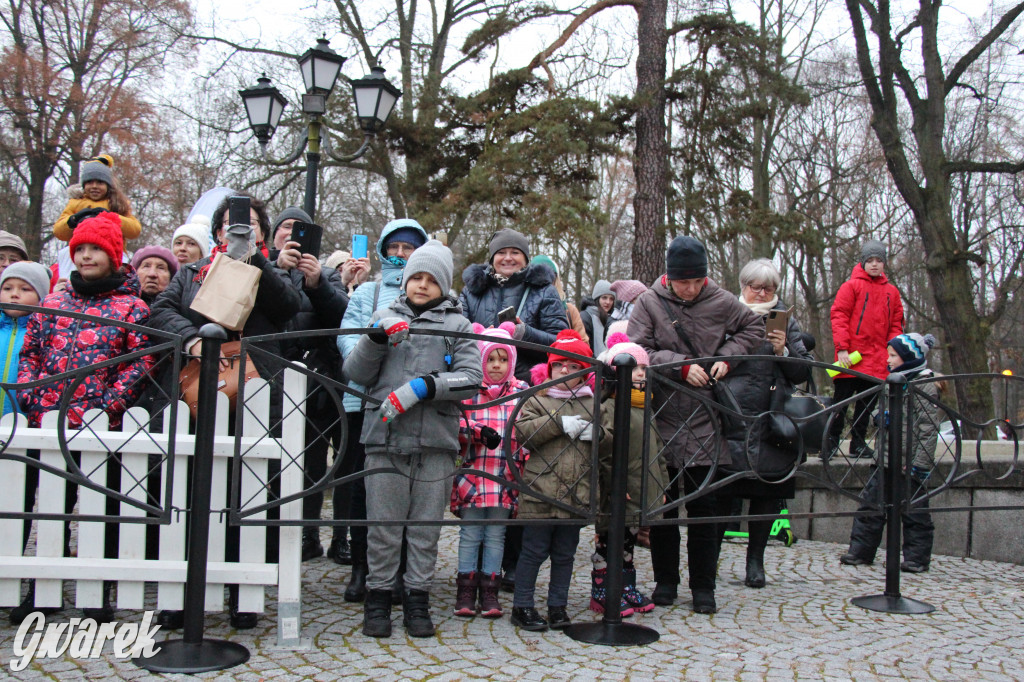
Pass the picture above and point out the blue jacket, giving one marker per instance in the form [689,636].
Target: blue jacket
[531,292]
[12,335]
[360,304]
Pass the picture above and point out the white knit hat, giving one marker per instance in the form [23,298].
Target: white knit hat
[199,233]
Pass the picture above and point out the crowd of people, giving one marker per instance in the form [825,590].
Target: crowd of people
[441,406]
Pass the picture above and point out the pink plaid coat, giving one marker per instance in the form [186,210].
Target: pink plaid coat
[469,489]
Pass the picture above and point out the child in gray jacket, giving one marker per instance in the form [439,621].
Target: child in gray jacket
[419,382]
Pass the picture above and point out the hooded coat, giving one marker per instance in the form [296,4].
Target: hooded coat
[866,313]
[369,298]
[717,325]
[531,292]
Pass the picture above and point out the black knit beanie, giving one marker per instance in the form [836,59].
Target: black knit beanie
[686,259]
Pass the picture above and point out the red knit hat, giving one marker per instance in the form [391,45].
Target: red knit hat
[570,341]
[104,231]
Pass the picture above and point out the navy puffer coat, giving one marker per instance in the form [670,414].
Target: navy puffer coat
[531,292]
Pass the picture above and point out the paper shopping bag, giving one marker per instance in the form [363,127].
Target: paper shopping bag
[228,293]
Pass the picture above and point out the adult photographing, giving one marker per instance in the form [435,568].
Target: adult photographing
[397,241]
[754,383]
[686,315]
[508,280]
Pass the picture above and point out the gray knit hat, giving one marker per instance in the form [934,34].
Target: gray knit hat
[872,249]
[13,241]
[602,288]
[37,276]
[435,259]
[507,238]
[290,213]
[99,168]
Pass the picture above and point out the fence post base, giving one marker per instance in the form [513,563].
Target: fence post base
[889,604]
[614,634]
[179,656]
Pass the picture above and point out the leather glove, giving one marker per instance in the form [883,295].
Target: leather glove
[490,437]
[574,426]
[405,396]
[395,328]
[238,241]
[85,213]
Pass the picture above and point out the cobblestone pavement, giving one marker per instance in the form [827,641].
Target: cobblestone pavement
[801,626]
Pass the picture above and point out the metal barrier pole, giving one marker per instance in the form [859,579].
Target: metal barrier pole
[896,474]
[193,653]
[611,630]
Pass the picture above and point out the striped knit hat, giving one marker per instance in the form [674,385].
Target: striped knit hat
[912,348]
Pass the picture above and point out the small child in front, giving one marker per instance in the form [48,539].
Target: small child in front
[419,382]
[478,497]
[557,426]
[22,283]
[908,355]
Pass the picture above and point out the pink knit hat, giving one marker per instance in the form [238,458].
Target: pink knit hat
[628,289]
[502,332]
[620,343]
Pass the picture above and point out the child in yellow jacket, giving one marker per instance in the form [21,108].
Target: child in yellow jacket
[97,192]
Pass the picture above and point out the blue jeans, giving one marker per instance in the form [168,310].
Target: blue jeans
[491,536]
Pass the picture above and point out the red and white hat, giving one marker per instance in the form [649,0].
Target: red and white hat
[569,341]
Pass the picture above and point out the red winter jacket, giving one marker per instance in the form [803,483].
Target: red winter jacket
[867,313]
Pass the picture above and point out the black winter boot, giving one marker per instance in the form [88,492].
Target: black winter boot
[311,547]
[105,613]
[416,614]
[356,590]
[27,606]
[377,614]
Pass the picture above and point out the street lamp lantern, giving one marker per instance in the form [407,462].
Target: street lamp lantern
[375,98]
[320,67]
[264,104]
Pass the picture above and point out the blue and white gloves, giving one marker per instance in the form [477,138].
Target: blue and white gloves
[405,396]
[395,330]
[577,428]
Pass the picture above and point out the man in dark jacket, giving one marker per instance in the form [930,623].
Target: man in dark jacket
[711,322]
[323,305]
[507,281]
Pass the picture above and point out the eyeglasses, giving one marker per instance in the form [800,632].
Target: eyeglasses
[569,366]
[8,260]
[766,288]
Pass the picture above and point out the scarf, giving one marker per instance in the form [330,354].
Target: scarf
[761,308]
[95,287]
[502,280]
[636,398]
[222,248]
[582,391]
[495,391]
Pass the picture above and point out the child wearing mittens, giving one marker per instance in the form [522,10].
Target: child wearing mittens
[478,497]
[419,381]
[557,426]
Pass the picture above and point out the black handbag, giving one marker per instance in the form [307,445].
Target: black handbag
[786,431]
[720,391]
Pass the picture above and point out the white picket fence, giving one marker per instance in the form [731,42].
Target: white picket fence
[131,570]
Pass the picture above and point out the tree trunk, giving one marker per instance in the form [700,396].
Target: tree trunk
[650,166]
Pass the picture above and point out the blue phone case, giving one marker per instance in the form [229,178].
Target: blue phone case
[359,246]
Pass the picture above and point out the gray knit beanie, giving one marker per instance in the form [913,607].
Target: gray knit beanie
[507,238]
[37,276]
[290,213]
[97,169]
[602,288]
[872,249]
[435,259]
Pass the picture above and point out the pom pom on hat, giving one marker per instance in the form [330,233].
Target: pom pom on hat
[616,338]
[104,231]
[629,348]
[570,341]
[98,168]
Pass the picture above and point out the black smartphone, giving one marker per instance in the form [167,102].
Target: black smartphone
[507,315]
[309,236]
[238,210]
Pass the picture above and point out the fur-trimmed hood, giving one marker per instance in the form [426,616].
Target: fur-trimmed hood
[477,278]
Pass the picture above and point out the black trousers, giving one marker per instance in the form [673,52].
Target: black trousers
[703,540]
[353,460]
[918,529]
[845,388]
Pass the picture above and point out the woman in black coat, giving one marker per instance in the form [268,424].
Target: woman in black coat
[752,383]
